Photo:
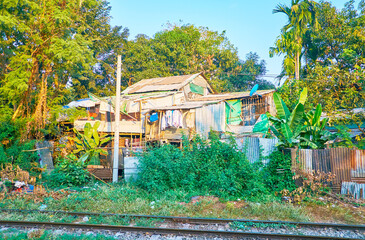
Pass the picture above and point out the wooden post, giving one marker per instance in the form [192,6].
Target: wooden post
[159,125]
[117,118]
[140,120]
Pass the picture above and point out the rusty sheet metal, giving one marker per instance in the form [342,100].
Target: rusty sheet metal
[358,164]
[346,164]
[340,165]
[321,160]
[302,159]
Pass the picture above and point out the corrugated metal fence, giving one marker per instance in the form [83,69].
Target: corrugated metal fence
[252,146]
[348,165]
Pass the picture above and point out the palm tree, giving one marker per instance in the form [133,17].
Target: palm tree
[301,15]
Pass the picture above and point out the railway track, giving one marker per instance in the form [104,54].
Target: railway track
[180,231]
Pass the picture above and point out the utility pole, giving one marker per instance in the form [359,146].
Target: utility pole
[116,123]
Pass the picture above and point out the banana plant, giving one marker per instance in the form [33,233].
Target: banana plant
[288,126]
[315,128]
[88,145]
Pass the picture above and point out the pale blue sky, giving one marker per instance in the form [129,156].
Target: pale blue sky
[249,24]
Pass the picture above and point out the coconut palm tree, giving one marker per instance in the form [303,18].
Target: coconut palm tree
[301,14]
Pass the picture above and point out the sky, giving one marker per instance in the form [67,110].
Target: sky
[250,25]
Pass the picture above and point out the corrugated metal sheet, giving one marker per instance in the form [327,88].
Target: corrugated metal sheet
[187,105]
[160,84]
[210,117]
[341,165]
[251,146]
[226,96]
[346,164]
[358,164]
[268,145]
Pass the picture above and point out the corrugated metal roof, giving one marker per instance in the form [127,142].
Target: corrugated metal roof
[225,96]
[186,105]
[160,84]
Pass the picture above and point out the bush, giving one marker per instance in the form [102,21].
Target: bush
[201,167]
[278,174]
[12,149]
[68,172]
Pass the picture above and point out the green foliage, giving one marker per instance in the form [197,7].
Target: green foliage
[334,72]
[12,149]
[212,167]
[180,50]
[249,74]
[249,225]
[53,129]
[301,16]
[288,126]
[53,51]
[278,173]
[298,128]
[315,129]
[69,172]
[88,144]
[343,137]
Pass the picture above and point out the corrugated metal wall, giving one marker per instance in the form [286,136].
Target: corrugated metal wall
[348,165]
[252,146]
[358,164]
[210,117]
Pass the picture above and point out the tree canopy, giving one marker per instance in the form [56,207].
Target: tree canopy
[180,50]
[47,47]
[334,69]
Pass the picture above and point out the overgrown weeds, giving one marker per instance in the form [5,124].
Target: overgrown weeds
[203,167]
[69,172]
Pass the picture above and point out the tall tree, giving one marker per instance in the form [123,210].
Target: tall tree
[45,47]
[301,15]
[335,69]
[251,71]
[180,50]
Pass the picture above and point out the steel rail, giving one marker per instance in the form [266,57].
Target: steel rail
[197,220]
[154,230]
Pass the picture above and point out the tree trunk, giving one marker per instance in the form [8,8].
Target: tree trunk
[39,118]
[297,65]
[24,103]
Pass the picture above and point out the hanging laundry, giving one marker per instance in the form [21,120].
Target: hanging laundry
[169,114]
[177,120]
[163,122]
[189,119]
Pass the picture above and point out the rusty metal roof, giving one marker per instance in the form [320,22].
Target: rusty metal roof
[226,96]
[161,84]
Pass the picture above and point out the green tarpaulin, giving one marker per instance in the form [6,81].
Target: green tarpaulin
[233,112]
[261,126]
[196,89]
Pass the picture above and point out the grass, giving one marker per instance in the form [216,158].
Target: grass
[249,225]
[15,234]
[126,199]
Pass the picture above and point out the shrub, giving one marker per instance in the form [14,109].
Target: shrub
[12,149]
[278,173]
[211,167]
[68,172]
